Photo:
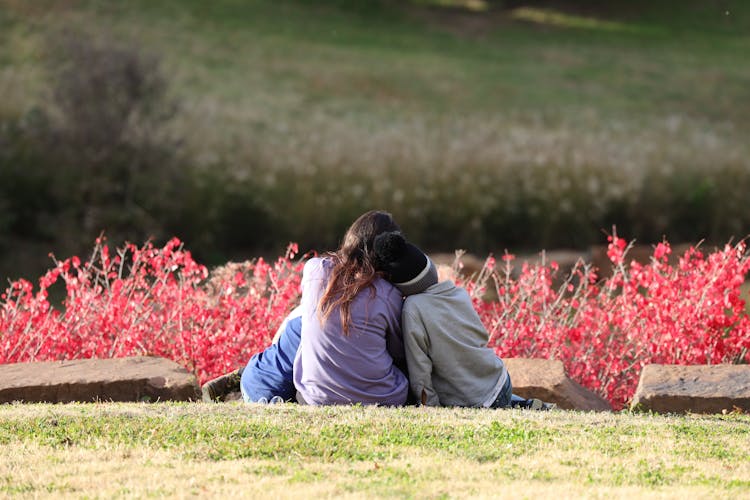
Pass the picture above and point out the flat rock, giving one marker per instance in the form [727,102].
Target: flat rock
[86,380]
[693,389]
[545,379]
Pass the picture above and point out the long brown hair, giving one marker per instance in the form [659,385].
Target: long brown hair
[353,269]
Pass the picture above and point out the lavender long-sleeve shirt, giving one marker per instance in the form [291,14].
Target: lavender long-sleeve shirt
[333,368]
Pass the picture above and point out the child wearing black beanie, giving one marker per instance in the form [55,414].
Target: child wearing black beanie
[447,355]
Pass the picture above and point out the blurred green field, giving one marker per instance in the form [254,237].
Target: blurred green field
[529,127]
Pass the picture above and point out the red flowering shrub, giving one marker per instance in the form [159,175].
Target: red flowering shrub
[149,301]
[605,332]
[158,301]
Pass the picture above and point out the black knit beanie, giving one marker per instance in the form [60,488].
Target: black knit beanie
[406,266]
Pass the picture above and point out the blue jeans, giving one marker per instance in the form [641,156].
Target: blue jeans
[505,396]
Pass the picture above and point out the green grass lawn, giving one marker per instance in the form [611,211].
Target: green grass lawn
[371,62]
[179,450]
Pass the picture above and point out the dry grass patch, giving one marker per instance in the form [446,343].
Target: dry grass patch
[177,450]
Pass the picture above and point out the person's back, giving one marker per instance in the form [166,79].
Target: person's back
[446,349]
[447,356]
[333,367]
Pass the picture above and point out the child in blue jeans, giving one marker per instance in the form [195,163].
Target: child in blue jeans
[447,355]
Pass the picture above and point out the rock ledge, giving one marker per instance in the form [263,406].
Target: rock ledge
[693,389]
[140,378]
[545,379]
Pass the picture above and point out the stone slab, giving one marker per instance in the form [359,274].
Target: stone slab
[693,389]
[546,379]
[140,378]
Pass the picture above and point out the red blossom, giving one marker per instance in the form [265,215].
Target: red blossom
[155,301]
[605,332]
[146,301]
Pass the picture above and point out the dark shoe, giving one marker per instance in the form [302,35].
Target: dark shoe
[534,404]
[218,388]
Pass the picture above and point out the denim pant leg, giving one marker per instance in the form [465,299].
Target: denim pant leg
[245,396]
[504,398]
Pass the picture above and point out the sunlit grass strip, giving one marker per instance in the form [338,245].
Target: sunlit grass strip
[471,5]
[553,17]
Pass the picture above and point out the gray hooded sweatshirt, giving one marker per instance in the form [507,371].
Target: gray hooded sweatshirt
[446,349]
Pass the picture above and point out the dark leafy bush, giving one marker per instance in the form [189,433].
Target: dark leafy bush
[26,197]
[98,156]
[222,218]
[116,161]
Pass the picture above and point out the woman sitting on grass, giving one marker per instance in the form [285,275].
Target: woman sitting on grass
[343,344]
[351,325]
